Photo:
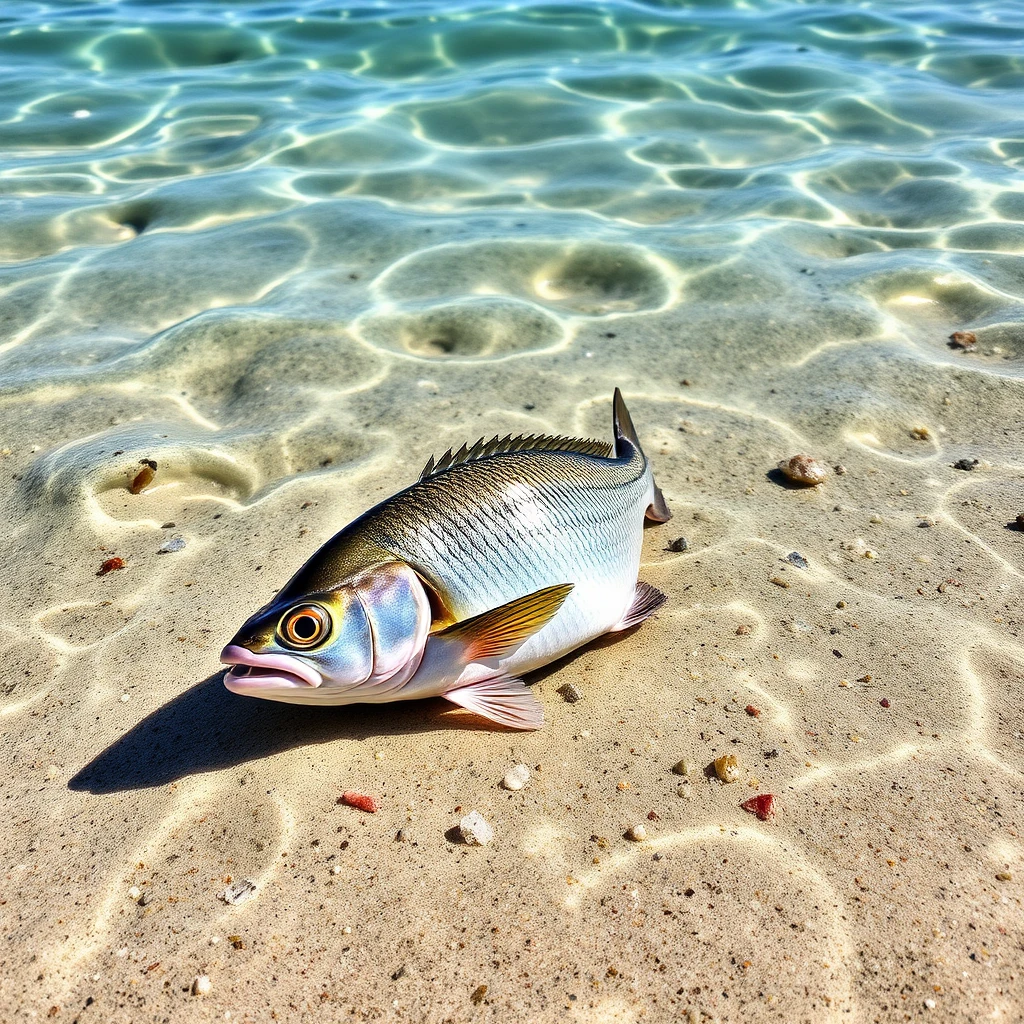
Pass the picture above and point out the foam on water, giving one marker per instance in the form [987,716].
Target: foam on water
[286,251]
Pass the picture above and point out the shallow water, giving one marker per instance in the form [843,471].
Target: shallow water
[287,251]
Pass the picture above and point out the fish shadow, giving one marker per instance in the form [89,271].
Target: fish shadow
[208,728]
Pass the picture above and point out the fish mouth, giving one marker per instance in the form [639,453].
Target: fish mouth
[252,673]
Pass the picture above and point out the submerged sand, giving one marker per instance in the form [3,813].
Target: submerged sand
[886,673]
[286,254]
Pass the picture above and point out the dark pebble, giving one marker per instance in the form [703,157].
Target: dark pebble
[679,544]
[966,464]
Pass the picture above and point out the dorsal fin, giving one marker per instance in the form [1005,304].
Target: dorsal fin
[625,432]
[522,442]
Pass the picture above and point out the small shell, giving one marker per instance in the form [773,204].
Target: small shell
[727,768]
[802,469]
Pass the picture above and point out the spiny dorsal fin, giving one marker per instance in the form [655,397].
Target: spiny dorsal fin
[520,443]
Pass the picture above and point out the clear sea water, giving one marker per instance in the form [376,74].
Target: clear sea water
[307,218]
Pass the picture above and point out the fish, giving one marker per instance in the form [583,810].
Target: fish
[501,558]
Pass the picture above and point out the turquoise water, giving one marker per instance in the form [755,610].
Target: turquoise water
[232,214]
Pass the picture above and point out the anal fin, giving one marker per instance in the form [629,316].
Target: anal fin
[505,700]
[646,601]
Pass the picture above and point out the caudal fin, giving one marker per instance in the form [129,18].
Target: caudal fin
[626,442]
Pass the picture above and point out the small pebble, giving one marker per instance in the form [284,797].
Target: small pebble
[681,767]
[839,469]
[401,836]
[679,544]
[474,830]
[636,833]
[202,985]
[1019,521]
[920,433]
[170,546]
[802,469]
[478,995]
[929,1004]
[569,693]
[743,629]
[239,892]
[966,464]
[885,702]
[361,801]
[762,806]
[517,777]
[780,582]
[752,711]
[1004,876]
[795,558]
[110,565]
[727,768]
[134,893]
[965,340]
[335,869]
[143,478]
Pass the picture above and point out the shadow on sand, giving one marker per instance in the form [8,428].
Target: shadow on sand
[208,728]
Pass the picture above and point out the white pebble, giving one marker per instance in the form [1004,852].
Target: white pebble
[929,1004]
[125,698]
[347,930]
[134,893]
[239,892]
[79,114]
[202,985]
[636,833]
[474,830]
[170,546]
[516,778]
[336,869]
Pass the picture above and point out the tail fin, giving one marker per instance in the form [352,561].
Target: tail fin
[626,442]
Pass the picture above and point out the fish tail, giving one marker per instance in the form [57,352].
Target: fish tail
[627,444]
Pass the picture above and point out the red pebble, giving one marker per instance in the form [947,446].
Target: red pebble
[884,702]
[763,805]
[110,565]
[360,800]
[752,711]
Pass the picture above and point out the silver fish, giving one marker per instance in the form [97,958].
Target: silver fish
[501,558]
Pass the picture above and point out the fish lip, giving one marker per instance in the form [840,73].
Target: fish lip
[279,668]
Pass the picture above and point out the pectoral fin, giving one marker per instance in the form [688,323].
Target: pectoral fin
[501,630]
[505,701]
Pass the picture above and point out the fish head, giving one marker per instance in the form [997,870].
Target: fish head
[337,646]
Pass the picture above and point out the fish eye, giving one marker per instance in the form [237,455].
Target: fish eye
[304,627]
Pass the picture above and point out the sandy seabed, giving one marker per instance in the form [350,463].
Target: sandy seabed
[886,672]
[286,259]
